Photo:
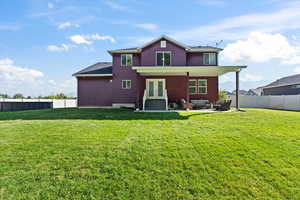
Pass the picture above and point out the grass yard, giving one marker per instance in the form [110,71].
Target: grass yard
[118,154]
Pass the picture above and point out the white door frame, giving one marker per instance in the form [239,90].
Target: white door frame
[155,92]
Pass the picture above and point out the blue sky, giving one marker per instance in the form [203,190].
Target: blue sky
[44,42]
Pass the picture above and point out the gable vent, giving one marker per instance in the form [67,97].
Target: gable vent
[163,44]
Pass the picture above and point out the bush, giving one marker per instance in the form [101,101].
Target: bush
[223,95]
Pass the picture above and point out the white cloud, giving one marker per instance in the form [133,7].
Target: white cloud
[100,37]
[262,47]
[226,78]
[251,77]
[15,79]
[149,27]
[14,74]
[79,39]
[67,25]
[9,27]
[63,47]
[50,5]
[6,61]
[293,60]
[211,2]
[52,82]
[87,39]
[297,70]
[116,6]
[238,27]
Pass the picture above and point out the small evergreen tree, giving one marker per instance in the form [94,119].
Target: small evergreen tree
[223,95]
[18,96]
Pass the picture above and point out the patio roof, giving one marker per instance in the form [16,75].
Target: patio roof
[183,70]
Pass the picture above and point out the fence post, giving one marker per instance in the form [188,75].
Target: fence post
[299,101]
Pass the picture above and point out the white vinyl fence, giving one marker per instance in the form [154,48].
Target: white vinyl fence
[284,102]
[57,103]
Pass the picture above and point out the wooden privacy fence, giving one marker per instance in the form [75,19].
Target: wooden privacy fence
[284,102]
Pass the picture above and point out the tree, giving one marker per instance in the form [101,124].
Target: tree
[60,96]
[18,96]
[223,95]
[6,96]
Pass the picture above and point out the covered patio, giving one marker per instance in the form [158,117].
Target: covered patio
[165,83]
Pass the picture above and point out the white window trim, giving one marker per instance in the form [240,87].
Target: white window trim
[126,60]
[198,86]
[210,58]
[126,84]
[163,57]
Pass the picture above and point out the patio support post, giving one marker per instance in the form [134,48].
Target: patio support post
[187,87]
[237,81]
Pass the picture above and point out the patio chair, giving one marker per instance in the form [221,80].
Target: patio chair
[223,105]
[185,105]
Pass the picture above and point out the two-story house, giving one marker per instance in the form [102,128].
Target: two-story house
[163,70]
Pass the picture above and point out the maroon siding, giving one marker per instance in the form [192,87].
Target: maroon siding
[212,89]
[194,59]
[148,55]
[94,91]
[177,88]
[120,73]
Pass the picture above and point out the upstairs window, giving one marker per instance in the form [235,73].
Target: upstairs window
[163,58]
[126,60]
[209,58]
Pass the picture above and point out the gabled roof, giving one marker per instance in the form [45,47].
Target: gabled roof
[186,47]
[288,80]
[98,69]
[166,38]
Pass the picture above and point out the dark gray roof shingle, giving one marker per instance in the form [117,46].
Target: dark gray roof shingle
[126,49]
[98,68]
[204,47]
[288,80]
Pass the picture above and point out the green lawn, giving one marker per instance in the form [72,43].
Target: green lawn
[118,154]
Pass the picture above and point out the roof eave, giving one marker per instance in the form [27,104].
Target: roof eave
[92,75]
[123,51]
[201,70]
[205,50]
[281,85]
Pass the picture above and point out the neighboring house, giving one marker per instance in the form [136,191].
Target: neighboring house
[289,85]
[241,92]
[255,92]
[151,76]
